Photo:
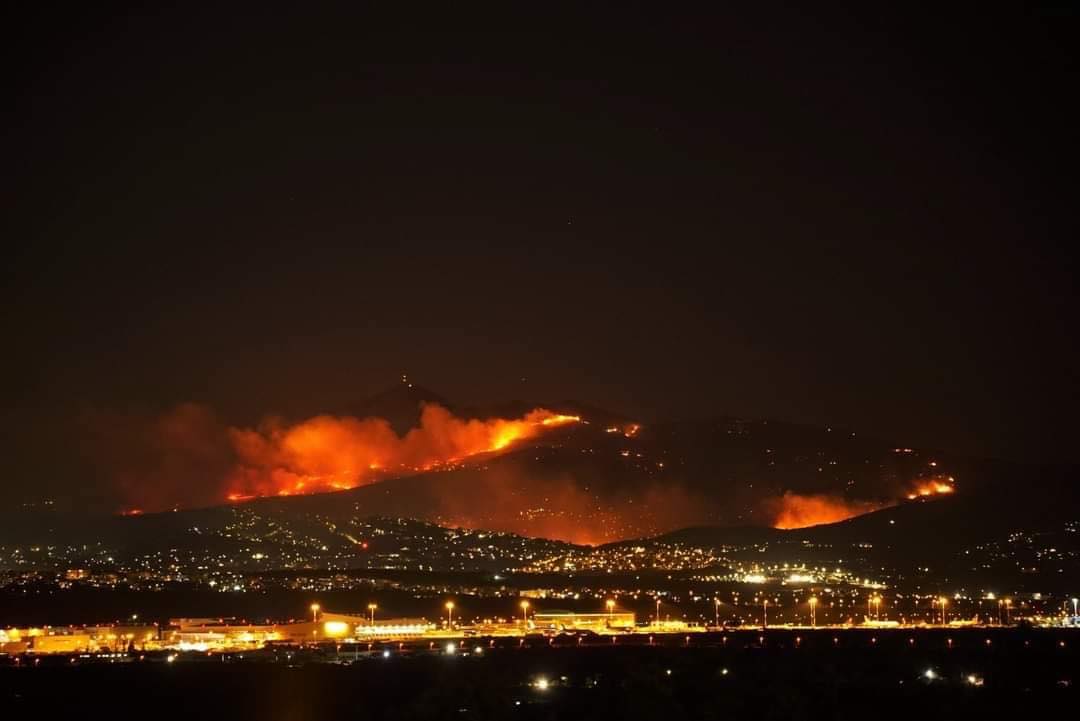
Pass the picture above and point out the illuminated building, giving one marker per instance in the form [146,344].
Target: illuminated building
[394,628]
[60,643]
[558,621]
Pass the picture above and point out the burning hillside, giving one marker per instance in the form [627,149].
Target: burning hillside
[328,453]
[933,487]
[797,511]
[187,457]
[800,511]
[601,478]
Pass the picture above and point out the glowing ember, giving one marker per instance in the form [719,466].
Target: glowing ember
[629,430]
[934,487]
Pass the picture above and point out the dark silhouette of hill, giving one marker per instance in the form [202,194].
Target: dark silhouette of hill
[400,405]
[594,483]
[1000,535]
[713,482]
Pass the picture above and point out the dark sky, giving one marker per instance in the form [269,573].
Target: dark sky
[859,221]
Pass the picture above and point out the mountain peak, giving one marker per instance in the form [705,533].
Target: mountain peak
[399,404]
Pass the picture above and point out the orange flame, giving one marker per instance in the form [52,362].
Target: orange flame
[934,487]
[327,453]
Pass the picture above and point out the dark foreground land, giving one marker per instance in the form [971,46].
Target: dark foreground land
[1020,675]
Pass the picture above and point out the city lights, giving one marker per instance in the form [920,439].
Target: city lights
[358,369]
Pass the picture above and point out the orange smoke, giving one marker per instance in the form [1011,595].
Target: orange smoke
[795,511]
[327,453]
[519,497]
[155,462]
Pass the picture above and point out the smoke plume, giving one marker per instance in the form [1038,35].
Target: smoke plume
[798,511]
[188,456]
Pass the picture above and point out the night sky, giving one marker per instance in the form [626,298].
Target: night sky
[858,221]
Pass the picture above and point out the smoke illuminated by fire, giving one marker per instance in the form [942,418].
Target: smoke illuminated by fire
[598,484]
[187,457]
[327,453]
[796,511]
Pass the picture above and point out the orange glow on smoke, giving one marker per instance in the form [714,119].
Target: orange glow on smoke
[328,453]
[795,511]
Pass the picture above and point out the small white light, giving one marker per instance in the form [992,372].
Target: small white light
[930,674]
[542,684]
[450,648]
[386,654]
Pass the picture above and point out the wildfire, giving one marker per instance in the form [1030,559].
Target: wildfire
[796,511]
[933,487]
[328,453]
[629,431]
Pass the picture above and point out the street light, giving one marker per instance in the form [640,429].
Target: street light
[1075,600]
[314,621]
[717,606]
[525,613]
[610,609]
[944,602]
[1008,607]
[877,608]
[813,610]
[765,614]
[449,614]
[657,610]
[371,607]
